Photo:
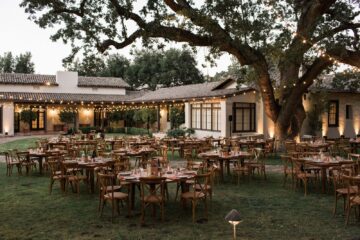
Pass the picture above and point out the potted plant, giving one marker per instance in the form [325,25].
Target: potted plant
[27,116]
[67,118]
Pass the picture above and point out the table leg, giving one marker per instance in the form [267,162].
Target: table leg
[40,165]
[228,167]
[132,196]
[221,169]
[323,179]
[92,180]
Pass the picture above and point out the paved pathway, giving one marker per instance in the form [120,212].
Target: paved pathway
[10,139]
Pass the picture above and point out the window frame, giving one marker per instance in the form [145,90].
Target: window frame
[252,115]
[213,106]
[37,112]
[336,124]
[348,112]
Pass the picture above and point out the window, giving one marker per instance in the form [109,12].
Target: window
[244,117]
[196,116]
[333,113]
[1,119]
[39,122]
[206,116]
[349,113]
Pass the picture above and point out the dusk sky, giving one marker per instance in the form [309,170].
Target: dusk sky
[18,35]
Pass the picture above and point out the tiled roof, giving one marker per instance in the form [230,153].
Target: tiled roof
[179,93]
[189,91]
[27,79]
[39,79]
[65,97]
[107,82]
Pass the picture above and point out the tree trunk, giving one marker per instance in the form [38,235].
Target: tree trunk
[285,129]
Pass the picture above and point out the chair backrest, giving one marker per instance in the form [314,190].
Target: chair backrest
[202,181]
[54,166]
[70,166]
[106,181]
[290,146]
[152,186]
[22,156]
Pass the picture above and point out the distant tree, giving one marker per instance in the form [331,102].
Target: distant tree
[7,63]
[23,63]
[19,64]
[27,116]
[91,65]
[116,66]
[166,68]
[115,116]
[346,80]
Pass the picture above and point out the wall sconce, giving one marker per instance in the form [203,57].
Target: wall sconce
[234,218]
[6,133]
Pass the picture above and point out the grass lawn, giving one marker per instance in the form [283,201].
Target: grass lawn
[21,144]
[27,211]
[270,211]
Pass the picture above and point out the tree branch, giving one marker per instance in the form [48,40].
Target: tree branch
[102,47]
[346,56]
[332,32]
[77,11]
[128,14]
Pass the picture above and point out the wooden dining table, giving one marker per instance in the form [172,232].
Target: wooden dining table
[324,165]
[225,159]
[89,167]
[134,179]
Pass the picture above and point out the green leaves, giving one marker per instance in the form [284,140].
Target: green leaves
[20,64]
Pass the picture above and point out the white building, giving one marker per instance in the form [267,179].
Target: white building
[212,109]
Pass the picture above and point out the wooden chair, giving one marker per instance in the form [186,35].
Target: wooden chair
[174,147]
[288,169]
[74,176]
[302,175]
[25,161]
[55,173]
[352,200]
[152,192]
[110,192]
[258,163]
[241,170]
[11,161]
[163,156]
[356,158]
[341,190]
[197,194]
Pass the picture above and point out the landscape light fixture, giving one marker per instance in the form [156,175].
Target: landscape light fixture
[234,218]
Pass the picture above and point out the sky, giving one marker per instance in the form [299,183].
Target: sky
[19,35]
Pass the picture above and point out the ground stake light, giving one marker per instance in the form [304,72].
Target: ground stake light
[234,218]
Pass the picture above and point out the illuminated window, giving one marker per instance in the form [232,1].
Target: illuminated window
[39,122]
[244,117]
[205,116]
[333,113]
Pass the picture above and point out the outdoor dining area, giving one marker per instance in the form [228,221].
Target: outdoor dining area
[147,178]
[140,169]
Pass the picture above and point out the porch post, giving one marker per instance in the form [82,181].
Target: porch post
[158,117]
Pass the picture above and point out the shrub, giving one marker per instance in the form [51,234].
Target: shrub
[87,130]
[175,133]
[138,131]
[67,117]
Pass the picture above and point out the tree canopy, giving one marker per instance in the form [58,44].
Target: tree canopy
[19,64]
[166,68]
[300,38]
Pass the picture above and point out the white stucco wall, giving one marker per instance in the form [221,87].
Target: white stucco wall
[8,118]
[67,84]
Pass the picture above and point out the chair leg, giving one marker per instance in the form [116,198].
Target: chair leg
[348,210]
[193,203]
[51,185]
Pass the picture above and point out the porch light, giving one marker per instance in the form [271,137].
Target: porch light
[234,218]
